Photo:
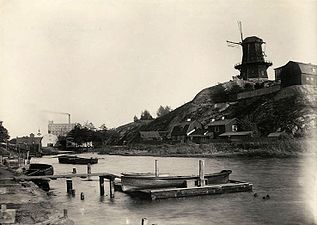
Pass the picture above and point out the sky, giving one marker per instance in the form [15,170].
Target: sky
[106,61]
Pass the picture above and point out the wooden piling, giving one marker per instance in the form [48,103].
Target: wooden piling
[65,213]
[69,185]
[102,185]
[156,169]
[201,173]
[88,170]
[111,186]
[144,221]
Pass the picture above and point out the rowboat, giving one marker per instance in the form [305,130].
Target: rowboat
[69,159]
[137,181]
[39,169]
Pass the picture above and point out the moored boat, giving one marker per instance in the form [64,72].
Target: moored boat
[138,181]
[69,159]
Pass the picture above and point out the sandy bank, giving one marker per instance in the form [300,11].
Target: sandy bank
[32,205]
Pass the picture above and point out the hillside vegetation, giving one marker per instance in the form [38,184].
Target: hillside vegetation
[292,109]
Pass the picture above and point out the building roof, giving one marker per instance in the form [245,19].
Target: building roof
[179,130]
[150,134]
[237,133]
[221,122]
[306,68]
[198,132]
[252,39]
[276,134]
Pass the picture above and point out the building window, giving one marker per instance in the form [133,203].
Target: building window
[234,128]
[216,129]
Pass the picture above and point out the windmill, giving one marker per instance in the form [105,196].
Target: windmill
[253,65]
[236,44]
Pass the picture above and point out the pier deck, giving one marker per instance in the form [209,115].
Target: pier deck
[53,177]
[232,186]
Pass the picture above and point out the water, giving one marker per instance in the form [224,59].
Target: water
[291,184]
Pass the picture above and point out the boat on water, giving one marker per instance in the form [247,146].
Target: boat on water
[39,169]
[137,181]
[70,159]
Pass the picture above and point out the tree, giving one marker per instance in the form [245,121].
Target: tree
[4,135]
[145,115]
[163,111]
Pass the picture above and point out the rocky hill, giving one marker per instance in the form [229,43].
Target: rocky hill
[292,109]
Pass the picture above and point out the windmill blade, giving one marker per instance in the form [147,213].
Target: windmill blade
[240,30]
[233,44]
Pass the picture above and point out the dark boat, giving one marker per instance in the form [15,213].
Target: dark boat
[69,159]
[138,181]
[39,169]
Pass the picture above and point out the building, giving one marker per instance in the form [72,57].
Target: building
[222,126]
[60,129]
[181,131]
[150,136]
[253,66]
[237,135]
[296,73]
[49,140]
[201,136]
[29,143]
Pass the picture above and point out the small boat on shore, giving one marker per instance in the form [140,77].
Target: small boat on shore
[70,159]
[39,169]
[138,181]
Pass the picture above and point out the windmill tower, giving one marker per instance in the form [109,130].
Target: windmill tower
[253,65]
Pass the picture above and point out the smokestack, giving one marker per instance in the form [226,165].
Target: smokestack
[68,118]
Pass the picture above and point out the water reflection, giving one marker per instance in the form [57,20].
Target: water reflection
[291,184]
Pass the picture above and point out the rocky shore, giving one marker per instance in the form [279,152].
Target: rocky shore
[32,205]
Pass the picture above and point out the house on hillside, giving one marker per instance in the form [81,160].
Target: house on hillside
[181,131]
[222,126]
[29,143]
[148,136]
[296,73]
[237,135]
[201,135]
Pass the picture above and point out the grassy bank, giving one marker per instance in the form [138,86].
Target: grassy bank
[281,148]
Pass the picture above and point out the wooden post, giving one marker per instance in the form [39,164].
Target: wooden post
[88,170]
[201,173]
[145,221]
[156,168]
[69,185]
[102,185]
[65,213]
[28,158]
[111,186]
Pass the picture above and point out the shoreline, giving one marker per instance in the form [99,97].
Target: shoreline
[279,149]
[32,204]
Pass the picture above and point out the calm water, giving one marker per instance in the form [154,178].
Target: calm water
[291,183]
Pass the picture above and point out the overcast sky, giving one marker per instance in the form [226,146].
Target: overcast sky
[106,61]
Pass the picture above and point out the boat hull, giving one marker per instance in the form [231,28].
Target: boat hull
[134,182]
[77,160]
[38,169]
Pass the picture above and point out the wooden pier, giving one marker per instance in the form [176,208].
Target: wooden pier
[164,193]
